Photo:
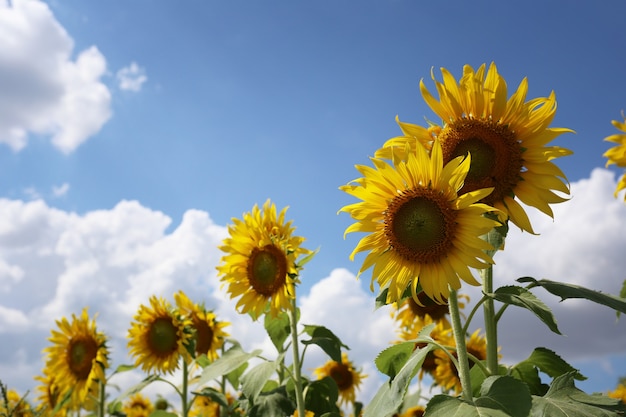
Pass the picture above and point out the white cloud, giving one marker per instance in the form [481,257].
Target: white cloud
[44,91]
[132,77]
[61,190]
[53,263]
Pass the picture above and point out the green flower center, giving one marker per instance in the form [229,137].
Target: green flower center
[163,337]
[267,269]
[495,151]
[80,356]
[419,225]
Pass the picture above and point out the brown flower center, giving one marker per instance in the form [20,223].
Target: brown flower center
[163,337]
[495,151]
[267,269]
[342,375]
[204,336]
[420,224]
[80,355]
[428,307]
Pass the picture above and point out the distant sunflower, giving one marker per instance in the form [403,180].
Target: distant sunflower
[617,154]
[619,393]
[137,405]
[49,395]
[441,333]
[16,405]
[446,375]
[409,313]
[415,411]
[420,230]
[260,261]
[345,376]
[158,337]
[204,406]
[77,358]
[208,332]
[506,138]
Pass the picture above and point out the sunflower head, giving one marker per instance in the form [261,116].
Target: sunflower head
[208,332]
[260,266]
[505,136]
[415,411]
[345,376]
[420,230]
[77,358]
[14,404]
[159,337]
[617,154]
[619,393]
[137,405]
[49,394]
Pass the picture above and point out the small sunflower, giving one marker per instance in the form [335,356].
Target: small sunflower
[420,230]
[49,395]
[260,261]
[345,376]
[446,374]
[619,393]
[506,138]
[415,411]
[15,405]
[138,405]
[617,154]
[158,337]
[441,333]
[77,358]
[208,332]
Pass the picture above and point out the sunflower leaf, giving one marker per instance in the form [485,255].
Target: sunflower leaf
[275,403]
[564,399]
[325,339]
[321,396]
[254,380]
[522,297]
[278,328]
[566,291]
[391,360]
[551,364]
[137,387]
[232,359]
[124,368]
[500,396]
[390,395]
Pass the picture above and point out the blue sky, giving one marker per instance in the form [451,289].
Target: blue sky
[226,104]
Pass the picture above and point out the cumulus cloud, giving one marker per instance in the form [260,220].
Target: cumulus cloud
[132,77]
[44,91]
[53,263]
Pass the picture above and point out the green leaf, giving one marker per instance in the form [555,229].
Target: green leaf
[321,396]
[123,368]
[521,297]
[566,291]
[391,360]
[213,394]
[231,360]
[563,399]
[500,396]
[552,364]
[162,413]
[275,403]
[254,380]
[390,395]
[325,339]
[138,387]
[303,261]
[381,299]
[278,328]
[529,374]
[622,294]
[234,376]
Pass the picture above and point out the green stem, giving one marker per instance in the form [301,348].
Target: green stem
[183,393]
[461,349]
[101,399]
[491,326]
[472,313]
[293,321]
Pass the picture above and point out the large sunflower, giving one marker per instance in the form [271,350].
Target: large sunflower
[420,230]
[506,138]
[345,376]
[159,337]
[260,261]
[77,358]
[617,154]
[208,332]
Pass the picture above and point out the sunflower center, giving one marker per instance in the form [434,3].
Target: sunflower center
[204,336]
[163,337]
[419,224]
[80,356]
[267,269]
[428,307]
[342,376]
[495,151]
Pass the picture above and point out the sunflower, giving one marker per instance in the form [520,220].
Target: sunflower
[137,405]
[446,374]
[77,358]
[506,138]
[15,405]
[411,314]
[441,333]
[420,229]
[159,337]
[345,376]
[49,395]
[208,333]
[617,154]
[415,411]
[260,261]
[619,393]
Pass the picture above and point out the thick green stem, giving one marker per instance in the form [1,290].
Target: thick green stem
[183,392]
[293,321]
[101,398]
[491,325]
[461,349]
